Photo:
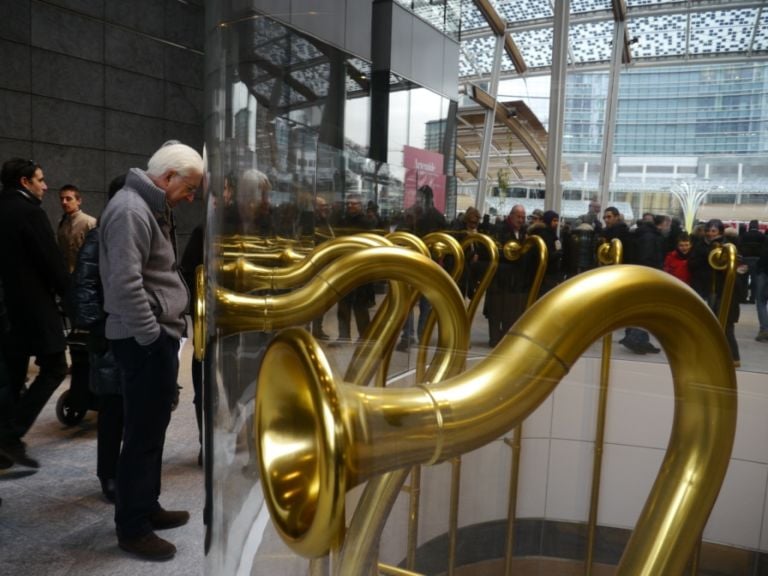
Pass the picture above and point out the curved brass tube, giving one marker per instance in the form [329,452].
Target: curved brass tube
[440,245]
[725,257]
[493,264]
[236,312]
[408,240]
[244,276]
[318,438]
[610,252]
[514,250]
[273,250]
[399,315]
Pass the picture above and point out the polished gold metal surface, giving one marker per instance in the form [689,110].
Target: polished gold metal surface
[199,334]
[242,275]
[235,312]
[725,257]
[514,250]
[317,438]
[358,554]
[610,252]
[408,240]
[441,244]
[607,254]
[492,250]
[274,251]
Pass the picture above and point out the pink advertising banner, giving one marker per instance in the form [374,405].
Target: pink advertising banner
[423,167]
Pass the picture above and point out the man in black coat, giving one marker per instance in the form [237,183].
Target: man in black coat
[33,273]
[639,248]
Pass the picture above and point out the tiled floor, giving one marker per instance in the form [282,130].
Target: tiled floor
[55,522]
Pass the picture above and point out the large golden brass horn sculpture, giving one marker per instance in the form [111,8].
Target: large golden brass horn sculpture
[318,438]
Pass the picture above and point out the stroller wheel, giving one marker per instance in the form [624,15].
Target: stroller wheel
[66,413]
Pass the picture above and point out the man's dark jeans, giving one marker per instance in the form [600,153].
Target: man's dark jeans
[149,388]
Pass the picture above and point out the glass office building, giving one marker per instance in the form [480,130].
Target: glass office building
[703,123]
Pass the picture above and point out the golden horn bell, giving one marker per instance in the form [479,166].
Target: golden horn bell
[318,438]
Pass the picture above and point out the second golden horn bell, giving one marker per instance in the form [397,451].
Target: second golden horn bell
[318,438]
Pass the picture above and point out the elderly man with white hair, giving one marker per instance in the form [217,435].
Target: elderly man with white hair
[146,299]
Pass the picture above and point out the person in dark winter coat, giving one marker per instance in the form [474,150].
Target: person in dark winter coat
[105,378]
[761,293]
[6,396]
[507,295]
[34,274]
[644,246]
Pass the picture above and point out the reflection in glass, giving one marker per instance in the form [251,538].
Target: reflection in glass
[290,169]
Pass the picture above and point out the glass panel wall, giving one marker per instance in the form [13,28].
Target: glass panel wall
[289,135]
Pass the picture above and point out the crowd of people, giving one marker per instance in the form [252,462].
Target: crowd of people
[655,240]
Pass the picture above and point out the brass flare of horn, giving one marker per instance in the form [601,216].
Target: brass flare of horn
[318,438]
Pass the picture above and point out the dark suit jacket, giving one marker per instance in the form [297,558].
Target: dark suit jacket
[33,273]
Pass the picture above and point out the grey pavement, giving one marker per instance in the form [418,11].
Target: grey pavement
[56,522]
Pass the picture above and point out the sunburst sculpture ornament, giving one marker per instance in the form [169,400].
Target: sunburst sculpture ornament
[690,197]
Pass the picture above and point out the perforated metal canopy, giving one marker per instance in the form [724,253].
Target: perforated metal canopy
[657,31]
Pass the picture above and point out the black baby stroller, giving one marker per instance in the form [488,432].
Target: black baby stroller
[75,402]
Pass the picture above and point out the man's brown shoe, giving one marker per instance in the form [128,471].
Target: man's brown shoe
[166,519]
[149,547]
